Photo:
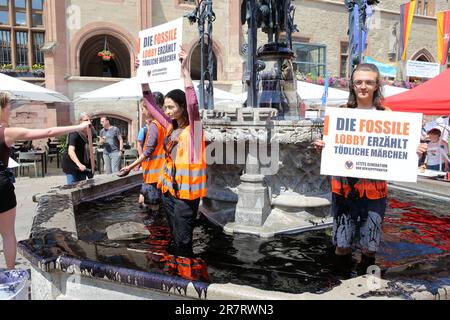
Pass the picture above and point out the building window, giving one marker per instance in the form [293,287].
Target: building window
[5,47]
[38,42]
[425,7]
[37,13]
[20,11]
[4,12]
[310,58]
[22,33]
[343,60]
[21,48]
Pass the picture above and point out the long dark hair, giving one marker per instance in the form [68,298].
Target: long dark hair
[378,94]
[179,98]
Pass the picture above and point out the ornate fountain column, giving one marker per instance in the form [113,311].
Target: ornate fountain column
[263,173]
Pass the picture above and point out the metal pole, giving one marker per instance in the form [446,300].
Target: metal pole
[201,29]
[252,99]
[210,88]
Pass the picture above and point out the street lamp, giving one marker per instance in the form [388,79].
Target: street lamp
[203,13]
[357,11]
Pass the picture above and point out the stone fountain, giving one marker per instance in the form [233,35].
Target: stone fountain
[263,173]
[263,178]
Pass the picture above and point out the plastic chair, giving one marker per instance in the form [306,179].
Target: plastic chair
[53,153]
[27,160]
[130,156]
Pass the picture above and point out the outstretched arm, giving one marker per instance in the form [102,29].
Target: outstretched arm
[195,124]
[14,134]
[191,97]
[151,106]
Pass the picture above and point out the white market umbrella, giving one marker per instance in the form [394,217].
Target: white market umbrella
[392,90]
[312,93]
[25,91]
[130,89]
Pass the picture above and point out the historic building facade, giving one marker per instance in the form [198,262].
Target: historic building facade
[66,35]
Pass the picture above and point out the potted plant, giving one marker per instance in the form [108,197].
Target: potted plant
[38,70]
[6,68]
[22,70]
[106,55]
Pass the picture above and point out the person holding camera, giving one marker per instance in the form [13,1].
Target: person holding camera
[359,202]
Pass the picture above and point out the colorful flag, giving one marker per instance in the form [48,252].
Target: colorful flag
[443,34]
[406,16]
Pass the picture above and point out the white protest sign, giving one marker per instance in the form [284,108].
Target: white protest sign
[371,144]
[158,52]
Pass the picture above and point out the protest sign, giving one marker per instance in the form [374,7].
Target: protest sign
[158,52]
[371,144]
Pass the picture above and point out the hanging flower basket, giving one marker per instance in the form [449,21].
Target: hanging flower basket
[106,55]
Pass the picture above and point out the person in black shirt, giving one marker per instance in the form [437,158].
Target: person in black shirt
[75,161]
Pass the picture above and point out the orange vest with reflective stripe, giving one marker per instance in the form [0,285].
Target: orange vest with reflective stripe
[152,166]
[185,179]
[373,189]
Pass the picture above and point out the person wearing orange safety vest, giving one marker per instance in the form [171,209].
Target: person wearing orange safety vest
[151,161]
[183,176]
[359,202]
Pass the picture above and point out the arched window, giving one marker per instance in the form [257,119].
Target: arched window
[93,65]
[423,55]
[196,65]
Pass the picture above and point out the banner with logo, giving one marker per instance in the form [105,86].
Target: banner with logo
[371,144]
[158,52]
[443,35]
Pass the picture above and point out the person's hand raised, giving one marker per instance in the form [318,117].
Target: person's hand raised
[182,56]
[145,87]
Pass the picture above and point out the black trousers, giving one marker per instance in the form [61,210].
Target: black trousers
[181,215]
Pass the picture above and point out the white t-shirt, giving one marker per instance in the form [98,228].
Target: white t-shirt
[434,149]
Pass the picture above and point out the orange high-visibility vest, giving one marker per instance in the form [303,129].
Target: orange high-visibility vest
[152,166]
[373,189]
[185,179]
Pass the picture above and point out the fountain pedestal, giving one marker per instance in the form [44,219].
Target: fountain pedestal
[263,174]
[253,207]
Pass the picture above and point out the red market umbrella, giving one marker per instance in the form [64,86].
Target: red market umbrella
[430,98]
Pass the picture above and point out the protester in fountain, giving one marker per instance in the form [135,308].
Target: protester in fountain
[112,142]
[8,135]
[76,163]
[152,159]
[360,201]
[183,178]
[437,159]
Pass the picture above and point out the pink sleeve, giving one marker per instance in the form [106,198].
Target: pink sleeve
[196,127]
[156,112]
